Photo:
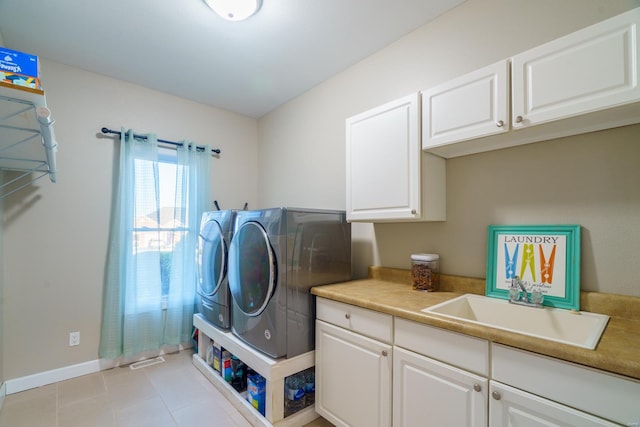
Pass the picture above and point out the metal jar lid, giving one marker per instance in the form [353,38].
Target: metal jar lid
[425,257]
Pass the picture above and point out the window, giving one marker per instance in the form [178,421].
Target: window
[158,224]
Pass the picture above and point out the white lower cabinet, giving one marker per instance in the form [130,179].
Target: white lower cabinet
[373,369]
[428,393]
[569,394]
[511,407]
[353,371]
[439,377]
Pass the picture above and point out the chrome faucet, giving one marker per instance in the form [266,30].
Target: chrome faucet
[522,287]
[518,294]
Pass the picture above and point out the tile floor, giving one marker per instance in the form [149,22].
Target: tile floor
[173,393]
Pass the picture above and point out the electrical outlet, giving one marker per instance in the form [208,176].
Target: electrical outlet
[74,339]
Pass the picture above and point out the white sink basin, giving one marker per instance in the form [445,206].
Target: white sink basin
[579,328]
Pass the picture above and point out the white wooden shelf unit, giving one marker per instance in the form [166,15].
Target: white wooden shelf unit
[273,370]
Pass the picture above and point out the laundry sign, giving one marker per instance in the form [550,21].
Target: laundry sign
[545,258]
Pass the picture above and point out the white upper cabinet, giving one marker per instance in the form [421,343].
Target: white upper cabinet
[389,178]
[583,82]
[469,107]
[592,69]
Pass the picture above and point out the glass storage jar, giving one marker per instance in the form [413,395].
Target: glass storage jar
[425,272]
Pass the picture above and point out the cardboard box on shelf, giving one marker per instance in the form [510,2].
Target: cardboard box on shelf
[217,357]
[256,390]
[226,368]
[19,68]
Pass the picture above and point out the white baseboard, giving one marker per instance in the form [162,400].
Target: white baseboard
[17,385]
[40,379]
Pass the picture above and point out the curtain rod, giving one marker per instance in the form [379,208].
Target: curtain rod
[164,141]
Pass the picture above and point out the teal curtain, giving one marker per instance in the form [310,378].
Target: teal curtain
[192,191]
[139,314]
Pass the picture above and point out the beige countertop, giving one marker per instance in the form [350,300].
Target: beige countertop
[389,291]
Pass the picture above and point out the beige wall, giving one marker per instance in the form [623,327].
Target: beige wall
[590,180]
[56,234]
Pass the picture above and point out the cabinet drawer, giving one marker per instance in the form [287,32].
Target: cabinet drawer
[463,351]
[599,393]
[361,320]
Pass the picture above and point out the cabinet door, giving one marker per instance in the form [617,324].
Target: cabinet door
[468,107]
[428,393]
[510,407]
[383,162]
[590,70]
[603,394]
[353,378]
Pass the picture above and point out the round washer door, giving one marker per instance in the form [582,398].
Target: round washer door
[252,268]
[212,258]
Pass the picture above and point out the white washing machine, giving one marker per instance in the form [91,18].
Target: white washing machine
[216,231]
[275,257]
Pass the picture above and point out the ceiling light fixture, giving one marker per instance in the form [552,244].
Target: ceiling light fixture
[234,10]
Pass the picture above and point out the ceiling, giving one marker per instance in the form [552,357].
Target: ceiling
[181,47]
